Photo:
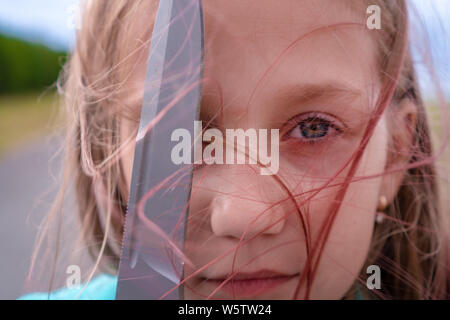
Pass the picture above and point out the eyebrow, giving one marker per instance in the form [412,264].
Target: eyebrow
[309,92]
[295,95]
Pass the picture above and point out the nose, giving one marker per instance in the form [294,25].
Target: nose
[242,208]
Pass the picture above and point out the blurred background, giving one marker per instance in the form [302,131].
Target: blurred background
[35,38]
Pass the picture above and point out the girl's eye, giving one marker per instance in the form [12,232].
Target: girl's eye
[313,128]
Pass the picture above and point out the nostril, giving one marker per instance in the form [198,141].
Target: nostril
[275,225]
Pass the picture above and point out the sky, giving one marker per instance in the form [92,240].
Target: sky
[52,23]
[44,21]
[433,16]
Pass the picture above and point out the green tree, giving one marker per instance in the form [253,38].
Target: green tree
[27,67]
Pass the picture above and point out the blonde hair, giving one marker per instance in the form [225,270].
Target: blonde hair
[115,38]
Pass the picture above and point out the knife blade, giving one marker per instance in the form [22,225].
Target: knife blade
[152,259]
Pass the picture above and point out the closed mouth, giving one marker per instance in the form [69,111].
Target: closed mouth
[247,285]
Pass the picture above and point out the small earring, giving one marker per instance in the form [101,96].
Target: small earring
[382,204]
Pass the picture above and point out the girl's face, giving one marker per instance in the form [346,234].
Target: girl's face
[268,66]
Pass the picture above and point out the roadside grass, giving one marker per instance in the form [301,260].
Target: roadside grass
[25,118]
[438,120]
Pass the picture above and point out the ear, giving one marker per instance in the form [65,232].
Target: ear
[402,122]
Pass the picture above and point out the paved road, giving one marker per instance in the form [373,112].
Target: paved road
[26,191]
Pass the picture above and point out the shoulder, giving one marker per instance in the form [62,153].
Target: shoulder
[102,287]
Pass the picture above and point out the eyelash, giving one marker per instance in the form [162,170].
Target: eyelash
[323,119]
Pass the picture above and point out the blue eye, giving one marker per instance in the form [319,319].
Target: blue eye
[313,128]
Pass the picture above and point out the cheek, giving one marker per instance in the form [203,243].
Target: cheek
[348,243]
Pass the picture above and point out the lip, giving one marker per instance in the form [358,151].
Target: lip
[248,285]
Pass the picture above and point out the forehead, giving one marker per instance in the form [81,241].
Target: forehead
[249,16]
[254,48]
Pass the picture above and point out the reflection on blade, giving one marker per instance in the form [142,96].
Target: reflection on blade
[151,265]
[159,266]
